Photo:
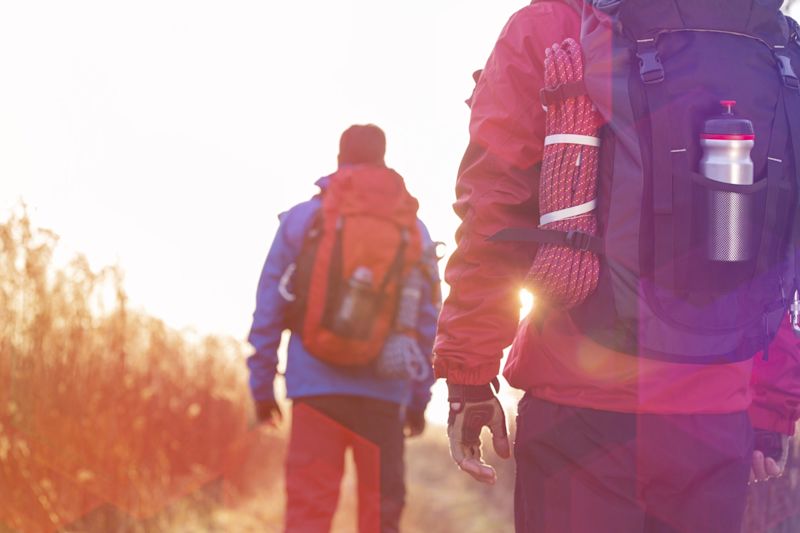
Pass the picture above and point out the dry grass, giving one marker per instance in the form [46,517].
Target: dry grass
[112,422]
[98,403]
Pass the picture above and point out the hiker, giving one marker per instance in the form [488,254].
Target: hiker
[353,274]
[605,146]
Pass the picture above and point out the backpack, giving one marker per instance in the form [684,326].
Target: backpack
[657,71]
[346,281]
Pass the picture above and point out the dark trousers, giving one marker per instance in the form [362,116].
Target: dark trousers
[323,428]
[587,471]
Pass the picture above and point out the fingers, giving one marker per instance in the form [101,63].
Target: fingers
[759,466]
[456,449]
[474,465]
[468,459]
[502,447]
[497,426]
[772,468]
[764,468]
[479,470]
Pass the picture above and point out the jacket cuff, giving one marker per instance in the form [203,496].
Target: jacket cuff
[262,389]
[419,401]
[462,375]
[458,392]
[769,420]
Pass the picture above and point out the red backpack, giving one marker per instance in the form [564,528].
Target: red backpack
[347,278]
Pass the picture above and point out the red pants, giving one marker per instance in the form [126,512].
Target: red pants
[323,428]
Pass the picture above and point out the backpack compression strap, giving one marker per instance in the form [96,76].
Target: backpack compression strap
[563,92]
[670,158]
[572,239]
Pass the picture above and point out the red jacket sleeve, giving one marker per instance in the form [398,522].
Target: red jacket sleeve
[497,188]
[776,384]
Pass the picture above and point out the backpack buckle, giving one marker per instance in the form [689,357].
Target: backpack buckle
[578,240]
[650,68]
[790,79]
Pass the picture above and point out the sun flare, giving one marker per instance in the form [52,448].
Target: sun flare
[526,302]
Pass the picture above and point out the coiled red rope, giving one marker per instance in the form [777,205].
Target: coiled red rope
[564,277]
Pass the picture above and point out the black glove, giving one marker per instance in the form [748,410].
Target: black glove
[471,408]
[415,422]
[268,412]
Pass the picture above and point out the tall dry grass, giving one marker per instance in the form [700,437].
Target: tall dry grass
[99,404]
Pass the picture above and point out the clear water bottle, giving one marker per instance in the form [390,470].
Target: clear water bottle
[727,141]
[355,312]
[410,296]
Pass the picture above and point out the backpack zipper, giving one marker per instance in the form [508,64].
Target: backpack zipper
[721,32]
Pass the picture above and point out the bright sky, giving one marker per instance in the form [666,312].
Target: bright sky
[167,135]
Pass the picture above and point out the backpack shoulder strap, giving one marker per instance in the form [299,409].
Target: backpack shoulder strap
[577,5]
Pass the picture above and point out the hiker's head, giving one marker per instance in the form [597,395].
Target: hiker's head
[362,145]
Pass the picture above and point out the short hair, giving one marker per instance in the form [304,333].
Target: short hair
[362,144]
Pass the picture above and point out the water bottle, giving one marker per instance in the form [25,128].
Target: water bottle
[727,141]
[355,312]
[410,296]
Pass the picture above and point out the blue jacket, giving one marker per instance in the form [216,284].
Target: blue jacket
[305,374]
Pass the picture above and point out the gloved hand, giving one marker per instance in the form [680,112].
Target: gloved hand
[770,453]
[415,422]
[471,408]
[268,413]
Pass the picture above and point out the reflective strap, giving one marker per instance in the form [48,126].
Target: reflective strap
[570,212]
[568,138]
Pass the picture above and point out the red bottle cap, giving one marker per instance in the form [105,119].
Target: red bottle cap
[730,104]
[728,127]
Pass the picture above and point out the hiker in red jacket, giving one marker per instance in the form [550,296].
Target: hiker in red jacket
[606,440]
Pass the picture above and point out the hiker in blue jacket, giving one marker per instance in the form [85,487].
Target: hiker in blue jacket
[336,407]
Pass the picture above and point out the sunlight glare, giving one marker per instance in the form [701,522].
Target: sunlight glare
[526,301]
